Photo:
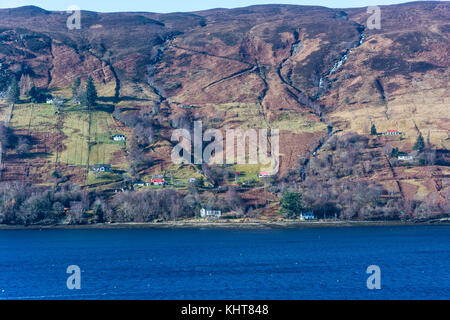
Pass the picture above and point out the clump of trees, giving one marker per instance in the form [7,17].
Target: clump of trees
[13,94]
[143,135]
[25,204]
[87,96]
[216,174]
[28,88]
[328,186]
[23,145]
[7,138]
[38,95]
[138,159]
[231,202]
[142,124]
[58,103]
[182,120]
[150,205]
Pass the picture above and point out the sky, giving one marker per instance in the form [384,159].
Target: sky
[164,6]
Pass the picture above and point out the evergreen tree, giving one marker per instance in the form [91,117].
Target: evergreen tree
[373,130]
[34,94]
[91,92]
[395,152]
[291,204]
[420,144]
[13,91]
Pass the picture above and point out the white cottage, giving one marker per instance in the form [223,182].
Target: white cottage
[307,216]
[207,213]
[119,137]
[405,157]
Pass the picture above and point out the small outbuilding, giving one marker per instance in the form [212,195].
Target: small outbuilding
[101,168]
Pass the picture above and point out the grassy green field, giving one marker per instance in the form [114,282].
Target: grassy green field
[102,146]
[79,143]
[37,117]
[76,129]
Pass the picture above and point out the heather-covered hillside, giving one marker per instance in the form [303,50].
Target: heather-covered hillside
[319,75]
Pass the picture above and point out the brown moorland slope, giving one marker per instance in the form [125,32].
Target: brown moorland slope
[312,72]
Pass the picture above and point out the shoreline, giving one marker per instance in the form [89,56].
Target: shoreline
[190,224]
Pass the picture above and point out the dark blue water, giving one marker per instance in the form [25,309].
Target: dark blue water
[325,263]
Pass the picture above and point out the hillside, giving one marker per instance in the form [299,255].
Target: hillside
[319,75]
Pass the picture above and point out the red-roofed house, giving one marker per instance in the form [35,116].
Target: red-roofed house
[158,182]
[392,132]
[265,174]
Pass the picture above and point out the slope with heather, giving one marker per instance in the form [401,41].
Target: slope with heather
[317,74]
